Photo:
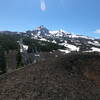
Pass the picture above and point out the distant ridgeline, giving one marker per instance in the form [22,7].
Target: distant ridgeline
[11,55]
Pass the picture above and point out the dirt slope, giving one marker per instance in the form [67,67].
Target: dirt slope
[48,80]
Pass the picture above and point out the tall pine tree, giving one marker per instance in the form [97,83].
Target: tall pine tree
[2,61]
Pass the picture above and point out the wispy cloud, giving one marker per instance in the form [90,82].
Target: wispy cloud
[97,31]
[43,5]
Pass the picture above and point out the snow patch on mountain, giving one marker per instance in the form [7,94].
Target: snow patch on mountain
[64,51]
[70,46]
[53,32]
[95,43]
[81,36]
[95,49]
[23,48]
[43,39]
[54,41]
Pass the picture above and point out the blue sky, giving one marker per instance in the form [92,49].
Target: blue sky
[78,16]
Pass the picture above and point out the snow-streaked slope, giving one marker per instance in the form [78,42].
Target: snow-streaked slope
[23,48]
[43,39]
[81,36]
[95,49]
[64,51]
[53,32]
[95,43]
[60,33]
[71,41]
[70,46]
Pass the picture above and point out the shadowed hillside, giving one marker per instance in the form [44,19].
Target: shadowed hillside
[56,77]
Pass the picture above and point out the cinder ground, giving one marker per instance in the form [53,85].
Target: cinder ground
[51,79]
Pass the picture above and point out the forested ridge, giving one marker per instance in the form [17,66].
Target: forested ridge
[9,43]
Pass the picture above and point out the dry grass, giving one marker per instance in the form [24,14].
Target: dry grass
[52,79]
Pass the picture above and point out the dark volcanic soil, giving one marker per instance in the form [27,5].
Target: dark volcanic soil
[50,79]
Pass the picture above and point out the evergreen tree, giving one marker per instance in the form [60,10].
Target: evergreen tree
[19,58]
[2,61]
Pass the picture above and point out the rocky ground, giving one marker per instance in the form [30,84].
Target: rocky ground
[53,78]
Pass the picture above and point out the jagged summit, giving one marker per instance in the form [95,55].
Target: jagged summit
[41,27]
[71,41]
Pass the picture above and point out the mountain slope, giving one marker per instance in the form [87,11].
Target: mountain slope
[51,79]
[70,41]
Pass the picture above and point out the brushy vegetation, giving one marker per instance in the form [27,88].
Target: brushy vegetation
[75,61]
[53,79]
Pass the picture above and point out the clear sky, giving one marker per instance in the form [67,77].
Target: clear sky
[78,16]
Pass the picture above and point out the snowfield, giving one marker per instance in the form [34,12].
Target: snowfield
[96,43]
[95,49]
[64,51]
[70,46]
